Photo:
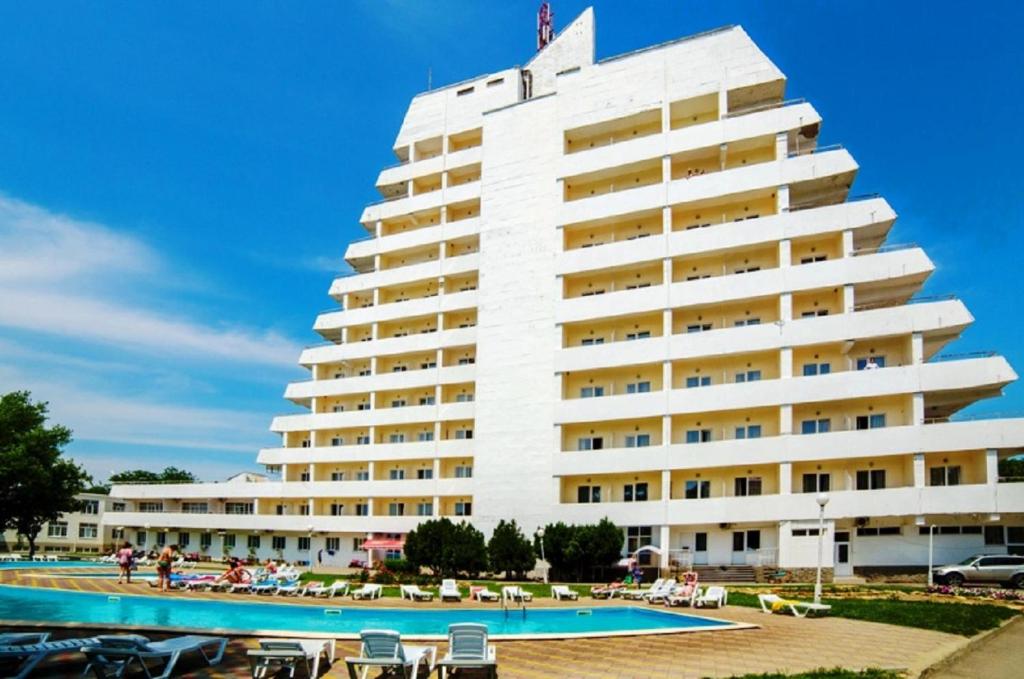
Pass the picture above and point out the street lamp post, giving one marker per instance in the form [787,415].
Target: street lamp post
[540,536]
[931,538]
[822,500]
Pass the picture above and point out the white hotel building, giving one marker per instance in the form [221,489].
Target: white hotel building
[634,288]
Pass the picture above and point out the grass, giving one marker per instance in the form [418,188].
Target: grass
[822,673]
[952,617]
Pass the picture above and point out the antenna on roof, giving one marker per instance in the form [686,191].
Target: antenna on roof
[545,34]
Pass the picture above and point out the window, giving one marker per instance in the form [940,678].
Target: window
[1015,534]
[117,507]
[396,509]
[813,258]
[117,533]
[362,440]
[357,544]
[634,492]
[467,360]
[427,365]
[805,532]
[696,489]
[337,476]
[745,541]
[363,406]
[747,485]
[333,544]
[238,508]
[748,376]
[870,362]
[643,334]
[811,369]
[161,539]
[590,443]
[303,544]
[870,479]
[399,369]
[814,312]
[336,509]
[463,433]
[362,509]
[698,435]
[205,540]
[306,443]
[91,507]
[253,542]
[870,532]
[88,531]
[140,538]
[338,409]
[303,510]
[194,508]
[425,436]
[422,474]
[337,441]
[184,539]
[591,392]
[751,431]
[280,510]
[746,321]
[871,421]
[228,541]
[945,476]
[151,507]
[698,381]
[700,542]
[463,472]
[398,403]
[278,542]
[821,426]
[396,474]
[427,400]
[638,440]
[994,535]
[817,483]
[698,327]
[304,475]
[424,509]
[590,341]
[463,398]
[638,387]
[588,494]
[362,475]
[637,537]
[463,509]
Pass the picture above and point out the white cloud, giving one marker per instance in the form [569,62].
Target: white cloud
[70,278]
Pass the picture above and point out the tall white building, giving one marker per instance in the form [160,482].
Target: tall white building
[635,288]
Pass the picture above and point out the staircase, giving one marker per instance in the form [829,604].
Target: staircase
[726,574]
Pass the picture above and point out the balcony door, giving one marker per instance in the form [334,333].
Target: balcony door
[700,549]
[843,562]
[745,544]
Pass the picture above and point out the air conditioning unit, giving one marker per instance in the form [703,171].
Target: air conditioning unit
[861,521]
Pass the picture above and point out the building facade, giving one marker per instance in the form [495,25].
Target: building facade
[82,532]
[635,288]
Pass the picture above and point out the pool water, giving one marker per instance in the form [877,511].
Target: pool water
[176,611]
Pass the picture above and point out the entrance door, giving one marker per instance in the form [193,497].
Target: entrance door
[700,549]
[843,563]
[744,545]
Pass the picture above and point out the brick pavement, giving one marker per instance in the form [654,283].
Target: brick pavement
[781,643]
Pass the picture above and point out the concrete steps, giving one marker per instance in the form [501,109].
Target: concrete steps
[726,574]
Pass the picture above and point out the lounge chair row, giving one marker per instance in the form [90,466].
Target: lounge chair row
[468,647]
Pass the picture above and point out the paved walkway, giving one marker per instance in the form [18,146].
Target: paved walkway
[780,643]
[1000,656]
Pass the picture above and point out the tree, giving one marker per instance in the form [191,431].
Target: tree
[168,475]
[37,485]
[575,550]
[445,548]
[509,551]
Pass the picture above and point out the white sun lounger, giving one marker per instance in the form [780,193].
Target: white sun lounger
[30,649]
[483,594]
[115,656]
[515,593]
[560,592]
[771,603]
[318,589]
[414,593]
[468,648]
[715,595]
[384,648]
[274,655]
[450,590]
[639,592]
[658,594]
[368,591]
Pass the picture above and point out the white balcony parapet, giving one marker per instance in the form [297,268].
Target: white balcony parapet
[408,379]
[451,266]
[388,346]
[374,452]
[405,240]
[380,416]
[389,312]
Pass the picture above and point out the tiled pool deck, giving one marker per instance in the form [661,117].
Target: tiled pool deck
[780,643]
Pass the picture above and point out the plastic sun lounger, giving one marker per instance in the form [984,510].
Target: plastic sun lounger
[28,655]
[772,603]
[384,648]
[639,592]
[715,595]
[274,655]
[414,593]
[117,655]
[483,594]
[450,590]
[468,648]
[367,592]
[318,589]
[560,592]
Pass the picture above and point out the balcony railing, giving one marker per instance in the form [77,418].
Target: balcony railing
[764,107]
[886,304]
[817,149]
[890,247]
[962,356]
[974,417]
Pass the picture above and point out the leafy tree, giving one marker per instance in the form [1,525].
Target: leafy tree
[168,475]
[509,551]
[573,551]
[445,548]
[37,485]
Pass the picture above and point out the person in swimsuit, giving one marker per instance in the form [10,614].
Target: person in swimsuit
[125,559]
[163,567]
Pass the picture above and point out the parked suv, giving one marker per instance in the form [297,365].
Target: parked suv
[997,568]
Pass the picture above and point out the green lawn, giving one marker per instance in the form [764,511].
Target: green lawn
[955,618]
[834,673]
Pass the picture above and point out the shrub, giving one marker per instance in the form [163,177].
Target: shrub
[446,548]
[383,577]
[509,551]
[400,566]
[574,551]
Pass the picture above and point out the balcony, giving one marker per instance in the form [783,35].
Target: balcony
[377,452]
[332,352]
[404,240]
[303,391]
[265,523]
[433,269]
[419,203]
[412,308]
[376,417]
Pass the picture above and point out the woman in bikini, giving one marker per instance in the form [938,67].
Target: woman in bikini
[163,567]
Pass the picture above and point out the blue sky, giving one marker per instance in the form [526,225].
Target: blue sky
[177,185]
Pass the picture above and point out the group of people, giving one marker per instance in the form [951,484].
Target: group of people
[164,562]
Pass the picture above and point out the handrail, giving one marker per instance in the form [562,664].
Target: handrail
[863,196]
[893,247]
[974,417]
[961,356]
[867,306]
[816,149]
[764,107]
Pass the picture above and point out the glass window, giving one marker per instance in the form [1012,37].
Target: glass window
[91,507]
[184,539]
[816,483]
[205,540]
[228,540]
[463,509]
[821,426]
[591,392]
[745,485]
[698,435]
[638,388]
[698,381]
[333,544]
[638,440]
[362,509]
[588,494]
[140,538]
[396,509]
[994,535]
[279,542]
[696,489]
[463,472]
[253,542]
[396,474]
[88,531]
[303,544]
[870,479]
[424,509]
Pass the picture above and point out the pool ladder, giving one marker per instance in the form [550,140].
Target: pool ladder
[516,602]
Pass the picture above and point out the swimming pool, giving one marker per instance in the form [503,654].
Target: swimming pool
[9,565]
[37,604]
